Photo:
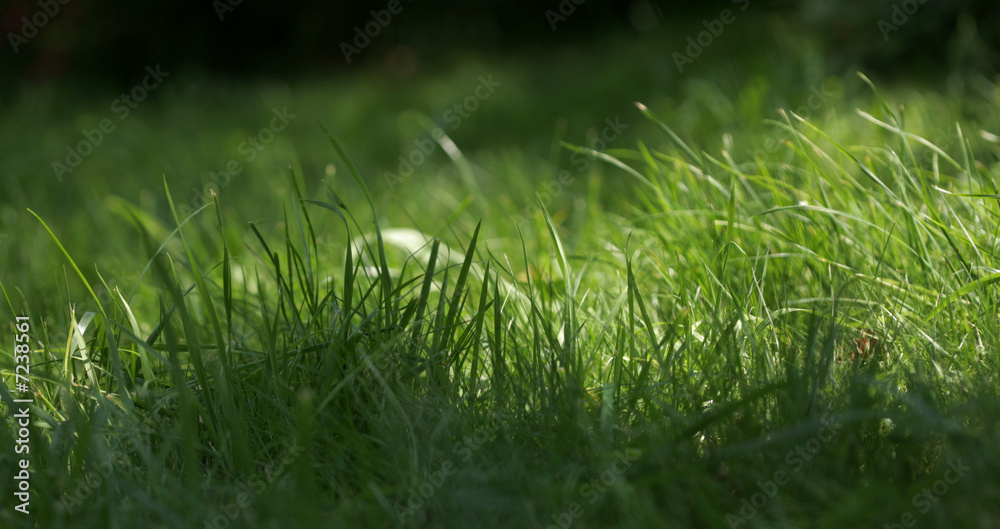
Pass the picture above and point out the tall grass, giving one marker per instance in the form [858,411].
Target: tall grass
[804,338]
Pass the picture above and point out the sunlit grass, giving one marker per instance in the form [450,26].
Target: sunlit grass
[795,328]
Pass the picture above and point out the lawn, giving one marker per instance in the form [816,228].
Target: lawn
[491,301]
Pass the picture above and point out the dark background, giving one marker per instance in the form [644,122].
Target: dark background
[109,41]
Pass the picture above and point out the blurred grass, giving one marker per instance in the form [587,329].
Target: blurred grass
[190,127]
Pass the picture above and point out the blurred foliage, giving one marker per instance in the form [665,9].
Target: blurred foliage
[911,35]
[112,39]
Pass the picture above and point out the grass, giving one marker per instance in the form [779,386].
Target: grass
[794,324]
